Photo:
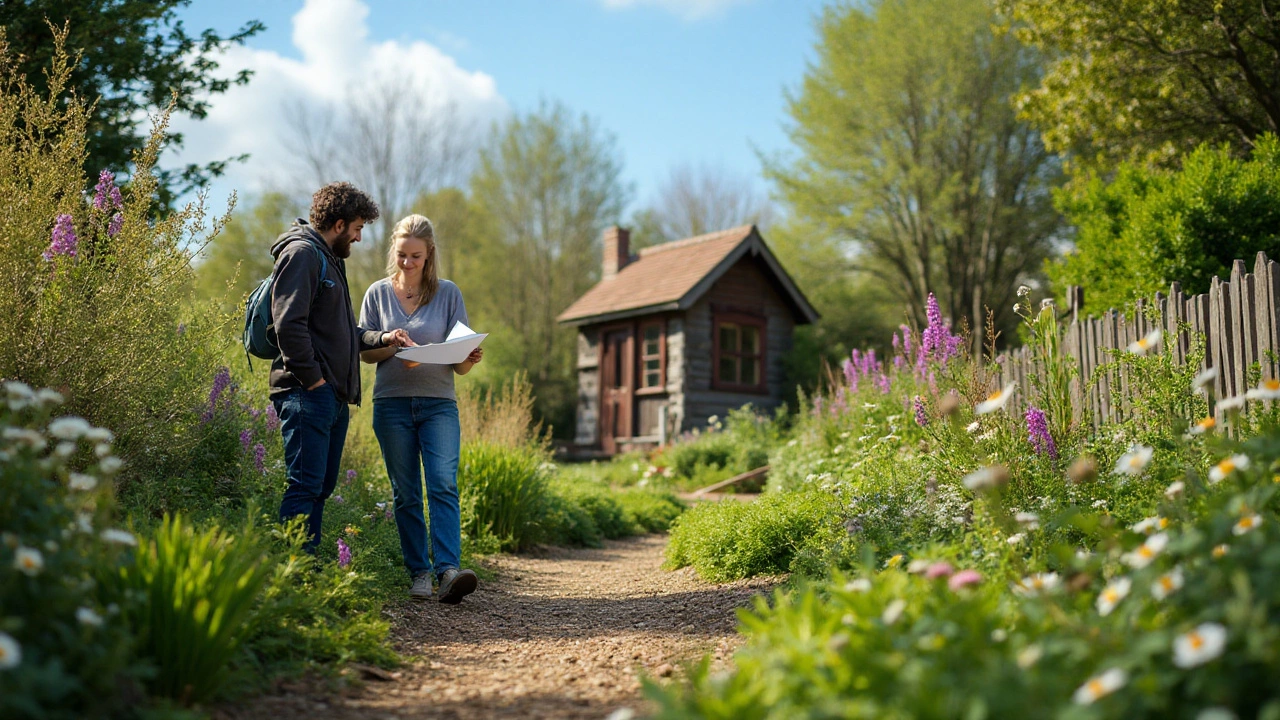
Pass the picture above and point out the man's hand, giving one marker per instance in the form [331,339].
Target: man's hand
[313,387]
[398,338]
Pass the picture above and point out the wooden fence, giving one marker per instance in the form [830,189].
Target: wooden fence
[1237,318]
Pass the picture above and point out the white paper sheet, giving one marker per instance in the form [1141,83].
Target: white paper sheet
[456,347]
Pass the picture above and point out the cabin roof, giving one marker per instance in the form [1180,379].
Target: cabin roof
[672,276]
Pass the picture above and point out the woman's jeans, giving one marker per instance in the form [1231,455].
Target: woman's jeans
[314,425]
[422,434]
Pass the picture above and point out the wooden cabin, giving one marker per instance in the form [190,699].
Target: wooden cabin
[678,333]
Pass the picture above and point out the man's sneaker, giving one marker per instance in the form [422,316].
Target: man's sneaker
[421,589]
[456,584]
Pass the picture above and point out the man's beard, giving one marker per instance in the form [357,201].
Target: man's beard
[342,244]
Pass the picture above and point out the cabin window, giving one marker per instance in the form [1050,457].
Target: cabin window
[739,353]
[653,354]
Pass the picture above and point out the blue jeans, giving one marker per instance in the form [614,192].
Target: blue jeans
[314,425]
[421,434]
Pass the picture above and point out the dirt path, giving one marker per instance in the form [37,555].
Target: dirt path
[563,634]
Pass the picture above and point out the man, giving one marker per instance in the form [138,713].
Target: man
[317,373]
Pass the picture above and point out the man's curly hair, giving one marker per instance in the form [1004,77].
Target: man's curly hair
[341,201]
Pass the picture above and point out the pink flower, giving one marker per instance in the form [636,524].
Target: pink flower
[964,578]
[64,239]
[939,570]
[344,553]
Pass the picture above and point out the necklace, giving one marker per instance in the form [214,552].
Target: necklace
[407,295]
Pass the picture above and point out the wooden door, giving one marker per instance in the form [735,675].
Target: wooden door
[617,379]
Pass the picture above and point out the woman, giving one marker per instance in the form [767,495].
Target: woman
[415,414]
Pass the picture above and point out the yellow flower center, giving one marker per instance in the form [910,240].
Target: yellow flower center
[1110,595]
[1096,688]
[4,652]
[1195,640]
[1226,466]
[1207,423]
[1246,523]
[995,396]
[1166,582]
[1219,551]
[1145,552]
[1144,343]
[1135,462]
[28,562]
[1272,385]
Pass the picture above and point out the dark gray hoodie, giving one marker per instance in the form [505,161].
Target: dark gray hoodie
[314,324]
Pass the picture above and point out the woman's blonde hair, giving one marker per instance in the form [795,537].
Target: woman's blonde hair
[416,226]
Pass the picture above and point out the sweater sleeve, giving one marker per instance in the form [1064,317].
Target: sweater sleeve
[297,278]
[369,329]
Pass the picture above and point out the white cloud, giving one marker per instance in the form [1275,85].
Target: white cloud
[686,9]
[337,55]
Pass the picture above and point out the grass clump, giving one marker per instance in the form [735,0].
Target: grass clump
[730,540]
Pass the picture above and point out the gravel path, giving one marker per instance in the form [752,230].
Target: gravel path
[564,633]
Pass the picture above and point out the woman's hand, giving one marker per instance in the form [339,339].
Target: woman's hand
[475,357]
[398,338]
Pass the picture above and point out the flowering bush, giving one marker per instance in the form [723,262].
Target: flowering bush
[64,650]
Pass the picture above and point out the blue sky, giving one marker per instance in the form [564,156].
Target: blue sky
[676,81]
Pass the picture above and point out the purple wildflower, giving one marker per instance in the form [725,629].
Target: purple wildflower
[102,191]
[63,241]
[389,514]
[850,374]
[116,199]
[221,381]
[1038,433]
[839,406]
[273,418]
[254,413]
[344,553]
[817,406]
[351,475]
[182,328]
[882,382]
[259,458]
[338,499]
[246,439]
[114,224]
[922,417]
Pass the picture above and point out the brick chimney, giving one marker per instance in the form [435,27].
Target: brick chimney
[617,250]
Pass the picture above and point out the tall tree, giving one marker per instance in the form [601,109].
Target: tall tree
[1149,80]
[546,185]
[394,139]
[699,199]
[911,155]
[135,56]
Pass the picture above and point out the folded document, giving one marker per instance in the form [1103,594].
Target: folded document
[461,341]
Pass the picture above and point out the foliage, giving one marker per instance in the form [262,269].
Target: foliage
[191,593]
[731,539]
[1145,80]
[649,511]
[64,652]
[96,291]
[1145,229]
[134,58]
[502,491]
[240,256]
[501,415]
[910,156]
[546,185]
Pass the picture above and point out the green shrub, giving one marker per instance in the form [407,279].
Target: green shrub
[650,510]
[191,593]
[601,503]
[64,652]
[503,493]
[732,539]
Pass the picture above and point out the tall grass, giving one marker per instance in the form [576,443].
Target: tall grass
[501,416]
[503,492]
[193,593]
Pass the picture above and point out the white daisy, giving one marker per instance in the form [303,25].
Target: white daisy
[88,617]
[1167,584]
[893,611]
[1248,523]
[1231,404]
[1150,525]
[10,652]
[1175,489]
[1266,390]
[986,477]
[1149,342]
[1202,426]
[119,536]
[1015,538]
[1038,584]
[1199,646]
[1146,552]
[69,427]
[28,560]
[1219,472]
[996,400]
[81,481]
[1099,686]
[1112,594]
[1029,655]
[1135,461]
[1204,380]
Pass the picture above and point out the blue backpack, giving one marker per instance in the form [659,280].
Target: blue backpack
[259,328]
